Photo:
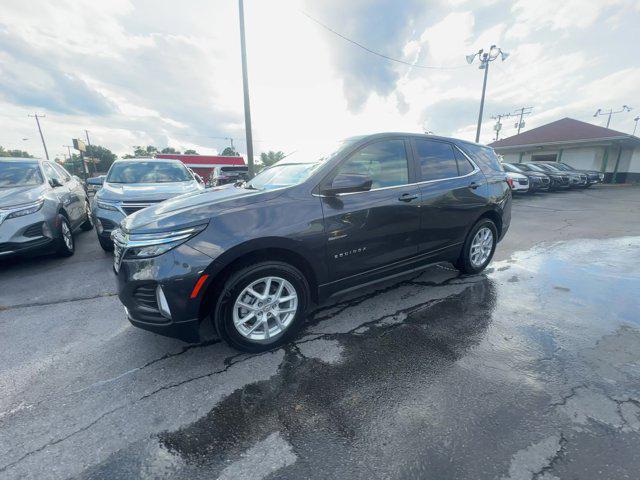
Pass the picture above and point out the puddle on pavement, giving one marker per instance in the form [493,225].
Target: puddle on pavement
[470,374]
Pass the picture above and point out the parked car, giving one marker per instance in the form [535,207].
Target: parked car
[41,206]
[537,181]
[94,184]
[593,176]
[253,257]
[133,184]
[558,180]
[226,175]
[517,182]
[576,180]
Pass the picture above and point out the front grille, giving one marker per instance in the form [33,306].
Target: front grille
[132,207]
[523,181]
[145,295]
[34,230]
[545,180]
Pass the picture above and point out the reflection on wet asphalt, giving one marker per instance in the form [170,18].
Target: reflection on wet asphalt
[529,371]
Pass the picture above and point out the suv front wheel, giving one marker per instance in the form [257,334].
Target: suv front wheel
[479,247]
[262,306]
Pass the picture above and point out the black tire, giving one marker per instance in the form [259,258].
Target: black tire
[88,223]
[223,313]
[106,244]
[63,249]
[464,263]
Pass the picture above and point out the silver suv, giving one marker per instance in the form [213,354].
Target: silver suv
[134,184]
[41,205]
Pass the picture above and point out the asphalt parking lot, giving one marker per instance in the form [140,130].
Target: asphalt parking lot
[528,371]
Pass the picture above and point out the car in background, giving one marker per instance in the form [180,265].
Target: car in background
[537,181]
[253,257]
[559,181]
[41,206]
[593,176]
[576,180]
[93,184]
[517,181]
[226,175]
[134,184]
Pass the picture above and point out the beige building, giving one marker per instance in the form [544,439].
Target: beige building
[579,144]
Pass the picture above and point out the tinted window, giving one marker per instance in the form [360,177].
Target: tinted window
[436,159]
[464,165]
[52,173]
[152,171]
[385,162]
[63,173]
[19,174]
[485,157]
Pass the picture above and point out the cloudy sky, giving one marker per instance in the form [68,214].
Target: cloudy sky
[168,73]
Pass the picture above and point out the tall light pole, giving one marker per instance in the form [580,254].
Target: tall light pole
[37,117]
[485,58]
[625,108]
[245,88]
[635,125]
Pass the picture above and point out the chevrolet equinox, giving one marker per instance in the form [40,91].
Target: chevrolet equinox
[252,257]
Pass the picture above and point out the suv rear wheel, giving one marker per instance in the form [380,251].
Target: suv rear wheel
[262,306]
[479,247]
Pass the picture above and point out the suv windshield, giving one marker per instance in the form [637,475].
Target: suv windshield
[294,168]
[537,168]
[511,168]
[20,174]
[152,171]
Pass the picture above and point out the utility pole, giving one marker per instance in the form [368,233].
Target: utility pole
[231,141]
[71,164]
[522,112]
[625,108]
[245,88]
[37,117]
[485,58]
[498,125]
[635,125]
[87,134]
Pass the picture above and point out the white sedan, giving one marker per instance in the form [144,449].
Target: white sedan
[518,182]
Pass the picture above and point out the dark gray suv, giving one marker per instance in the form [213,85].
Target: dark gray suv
[252,258]
[41,205]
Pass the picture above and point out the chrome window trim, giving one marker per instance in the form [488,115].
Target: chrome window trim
[424,182]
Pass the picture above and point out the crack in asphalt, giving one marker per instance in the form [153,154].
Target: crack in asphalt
[572,393]
[562,446]
[55,302]
[228,362]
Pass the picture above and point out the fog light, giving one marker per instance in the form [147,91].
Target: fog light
[163,305]
[98,224]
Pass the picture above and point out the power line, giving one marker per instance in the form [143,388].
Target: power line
[416,65]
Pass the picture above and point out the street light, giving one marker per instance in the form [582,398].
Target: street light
[485,57]
[625,108]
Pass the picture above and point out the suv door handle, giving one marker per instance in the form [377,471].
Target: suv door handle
[407,197]
[473,185]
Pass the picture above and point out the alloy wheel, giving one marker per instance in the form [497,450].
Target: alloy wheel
[265,308]
[481,246]
[67,236]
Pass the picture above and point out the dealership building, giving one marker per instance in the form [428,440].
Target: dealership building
[579,144]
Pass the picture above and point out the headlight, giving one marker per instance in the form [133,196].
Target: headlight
[27,209]
[601,176]
[145,245]
[108,206]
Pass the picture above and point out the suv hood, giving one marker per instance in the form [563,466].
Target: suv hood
[134,192]
[194,208]
[18,195]
[535,174]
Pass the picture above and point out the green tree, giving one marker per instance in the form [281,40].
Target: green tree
[170,150]
[103,156]
[230,152]
[143,152]
[269,158]
[190,152]
[14,153]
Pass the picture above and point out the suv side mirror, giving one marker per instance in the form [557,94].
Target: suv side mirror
[347,183]
[54,182]
[97,181]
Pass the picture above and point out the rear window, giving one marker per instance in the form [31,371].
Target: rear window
[437,160]
[485,157]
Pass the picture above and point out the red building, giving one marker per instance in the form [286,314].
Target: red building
[203,165]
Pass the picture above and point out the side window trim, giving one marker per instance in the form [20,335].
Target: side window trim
[412,179]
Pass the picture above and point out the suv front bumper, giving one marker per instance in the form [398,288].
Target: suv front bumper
[156,292]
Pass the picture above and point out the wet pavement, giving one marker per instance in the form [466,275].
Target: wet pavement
[529,371]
